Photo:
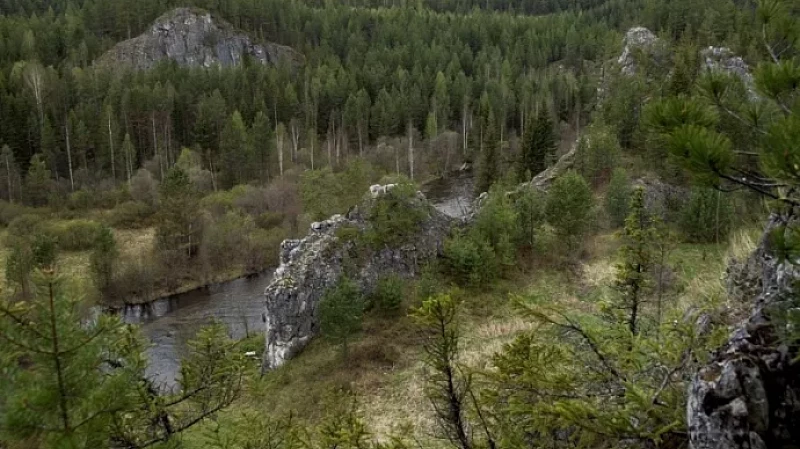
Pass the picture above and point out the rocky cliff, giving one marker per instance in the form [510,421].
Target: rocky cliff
[193,38]
[332,249]
[748,397]
[641,43]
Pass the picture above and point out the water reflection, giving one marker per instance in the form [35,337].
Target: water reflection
[171,322]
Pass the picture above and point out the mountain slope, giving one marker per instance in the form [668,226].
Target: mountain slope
[192,38]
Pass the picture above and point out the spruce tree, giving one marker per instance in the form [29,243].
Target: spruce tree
[539,144]
[618,197]
[489,163]
[341,312]
[637,259]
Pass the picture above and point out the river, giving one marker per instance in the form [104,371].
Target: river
[170,322]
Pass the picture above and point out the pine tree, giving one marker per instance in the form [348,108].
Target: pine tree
[569,207]
[75,381]
[489,164]
[38,182]
[618,197]
[635,269]
[180,227]
[539,144]
[340,313]
[103,258]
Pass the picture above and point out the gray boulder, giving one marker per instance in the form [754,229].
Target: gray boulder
[193,38]
[317,262]
[748,396]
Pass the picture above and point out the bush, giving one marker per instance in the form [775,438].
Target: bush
[262,249]
[389,294]
[497,224]
[269,220]
[395,217]
[144,188]
[74,235]
[130,215]
[104,258]
[253,201]
[224,240]
[569,206]
[530,206]
[707,217]
[25,225]
[224,201]
[618,198]
[134,279]
[597,154]
[340,312]
[81,200]
[470,260]
[10,211]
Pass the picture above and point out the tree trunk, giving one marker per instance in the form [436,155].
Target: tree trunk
[111,147]
[155,145]
[411,150]
[69,156]
[279,142]
[8,177]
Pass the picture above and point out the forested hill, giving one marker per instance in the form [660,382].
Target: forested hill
[369,74]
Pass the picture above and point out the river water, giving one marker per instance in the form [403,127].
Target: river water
[169,323]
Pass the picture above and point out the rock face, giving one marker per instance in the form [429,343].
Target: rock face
[316,263]
[192,38]
[722,59]
[637,39]
[748,397]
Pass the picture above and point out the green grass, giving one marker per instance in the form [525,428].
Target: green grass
[385,370]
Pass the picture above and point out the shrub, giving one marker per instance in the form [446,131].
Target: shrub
[530,206]
[569,206]
[10,211]
[269,220]
[388,295]
[618,198]
[225,238]
[340,312]
[104,258]
[395,217]
[81,200]
[74,235]
[130,215]
[597,154]
[497,224]
[707,216]
[253,201]
[134,279]
[262,249]
[144,188]
[470,259]
[24,225]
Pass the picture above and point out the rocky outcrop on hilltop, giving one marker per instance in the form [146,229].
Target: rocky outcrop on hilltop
[639,41]
[193,38]
[748,396]
[722,59]
[335,248]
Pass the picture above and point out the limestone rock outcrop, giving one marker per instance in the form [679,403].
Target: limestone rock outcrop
[722,59]
[638,39]
[193,38]
[748,396]
[310,266]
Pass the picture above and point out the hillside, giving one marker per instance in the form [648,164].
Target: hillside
[194,38]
